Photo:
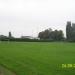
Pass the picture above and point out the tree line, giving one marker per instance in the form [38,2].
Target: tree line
[47,35]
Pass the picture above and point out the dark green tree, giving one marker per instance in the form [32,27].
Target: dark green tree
[69,31]
[60,35]
[48,34]
[57,35]
[73,32]
[40,35]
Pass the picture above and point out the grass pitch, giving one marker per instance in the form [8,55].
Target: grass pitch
[37,58]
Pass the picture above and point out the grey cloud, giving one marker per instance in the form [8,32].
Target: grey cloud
[26,17]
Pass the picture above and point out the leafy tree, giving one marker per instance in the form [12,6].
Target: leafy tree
[40,35]
[69,31]
[73,32]
[60,35]
[46,34]
[51,35]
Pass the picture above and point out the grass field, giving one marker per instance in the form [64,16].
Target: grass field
[35,58]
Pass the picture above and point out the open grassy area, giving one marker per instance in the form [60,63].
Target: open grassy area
[37,58]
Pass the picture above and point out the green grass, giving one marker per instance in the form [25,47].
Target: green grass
[37,58]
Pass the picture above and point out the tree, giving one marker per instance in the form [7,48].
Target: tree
[61,35]
[51,35]
[57,35]
[69,31]
[40,35]
[73,32]
[46,34]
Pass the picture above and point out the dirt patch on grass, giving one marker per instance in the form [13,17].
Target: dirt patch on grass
[5,71]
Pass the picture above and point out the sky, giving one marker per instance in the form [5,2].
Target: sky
[29,17]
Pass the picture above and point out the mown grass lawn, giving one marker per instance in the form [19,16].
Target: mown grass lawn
[38,58]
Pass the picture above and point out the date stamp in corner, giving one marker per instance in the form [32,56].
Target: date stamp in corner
[68,65]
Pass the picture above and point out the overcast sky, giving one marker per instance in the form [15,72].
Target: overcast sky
[29,17]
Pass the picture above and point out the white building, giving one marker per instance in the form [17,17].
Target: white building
[29,37]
